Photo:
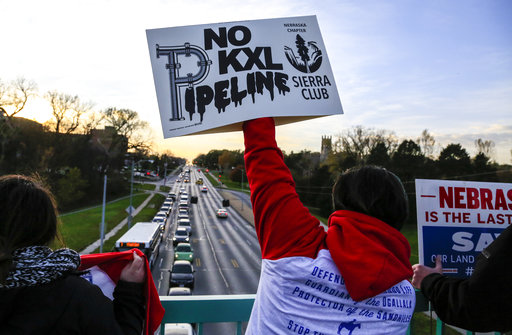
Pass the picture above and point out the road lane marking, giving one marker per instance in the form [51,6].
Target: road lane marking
[235,263]
[200,212]
[249,243]
[198,262]
[222,241]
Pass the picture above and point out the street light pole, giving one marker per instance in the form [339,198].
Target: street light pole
[102,230]
[241,199]
[131,195]
[165,173]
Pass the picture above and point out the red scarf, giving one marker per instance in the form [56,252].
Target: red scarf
[371,255]
[113,263]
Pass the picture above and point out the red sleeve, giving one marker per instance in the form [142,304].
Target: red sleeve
[284,226]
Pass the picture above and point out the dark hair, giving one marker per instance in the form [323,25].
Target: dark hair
[28,216]
[373,191]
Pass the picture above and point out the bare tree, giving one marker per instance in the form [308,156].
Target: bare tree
[359,141]
[67,111]
[14,97]
[427,143]
[91,121]
[126,123]
[485,147]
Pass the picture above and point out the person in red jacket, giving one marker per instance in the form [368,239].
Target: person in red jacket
[41,291]
[350,279]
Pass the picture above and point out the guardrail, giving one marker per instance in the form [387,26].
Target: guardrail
[200,309]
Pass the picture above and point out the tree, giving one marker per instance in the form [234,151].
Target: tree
[454,161]
[485,147]
[14,97]
[427,143]
[126,123]
[379,155]
[408,160]
[483,169]
[71,187]
[226,160]
[67,111]
[357,143]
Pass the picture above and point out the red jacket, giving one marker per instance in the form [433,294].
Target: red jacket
[300,281]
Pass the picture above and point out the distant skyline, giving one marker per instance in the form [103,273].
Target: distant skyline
[401,66]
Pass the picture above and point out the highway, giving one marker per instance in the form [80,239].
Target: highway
[227,255]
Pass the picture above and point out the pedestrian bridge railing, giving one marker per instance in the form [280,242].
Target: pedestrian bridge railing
[201,309]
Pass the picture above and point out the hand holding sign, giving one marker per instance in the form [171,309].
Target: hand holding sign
[421,271]
[134,271]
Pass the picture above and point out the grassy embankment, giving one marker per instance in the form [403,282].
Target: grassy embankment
[232,185]
[80,228]
[145,215]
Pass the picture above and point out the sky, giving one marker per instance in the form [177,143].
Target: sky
[399,65]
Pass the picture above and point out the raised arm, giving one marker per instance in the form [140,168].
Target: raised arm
[284,226]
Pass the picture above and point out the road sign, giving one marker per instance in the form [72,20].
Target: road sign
[130,209]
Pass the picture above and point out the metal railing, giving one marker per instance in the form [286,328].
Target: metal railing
[200,309]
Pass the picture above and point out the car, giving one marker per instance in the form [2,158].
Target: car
[172,196]
[204,189]
[183,216]
[181,235]
[184,251]
[166,208]
[183,205]
[161,214]
[182,274]
[199,181]
[184,197]
[222,213]
[174,291]
[182,211]
[186,224]
[179,329]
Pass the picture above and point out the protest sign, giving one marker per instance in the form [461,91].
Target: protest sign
[458,219]
[210,78]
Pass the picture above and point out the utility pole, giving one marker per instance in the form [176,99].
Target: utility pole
[131,195]
[102,230]
[165,173]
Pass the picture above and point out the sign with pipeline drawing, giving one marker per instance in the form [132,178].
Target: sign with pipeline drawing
[210,78]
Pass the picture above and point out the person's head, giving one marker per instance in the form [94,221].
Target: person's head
[373,191]
[28,216]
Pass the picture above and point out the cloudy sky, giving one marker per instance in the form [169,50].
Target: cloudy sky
[401,66]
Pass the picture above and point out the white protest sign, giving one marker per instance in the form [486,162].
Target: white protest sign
[458,219]
[210,78]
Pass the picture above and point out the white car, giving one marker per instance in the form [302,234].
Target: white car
[204,189]
[222,213]
[179,329]
[186,224]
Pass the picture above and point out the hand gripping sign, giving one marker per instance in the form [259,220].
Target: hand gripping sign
[458,220]
[211,78]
